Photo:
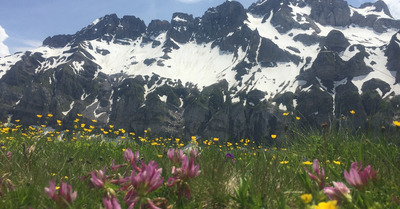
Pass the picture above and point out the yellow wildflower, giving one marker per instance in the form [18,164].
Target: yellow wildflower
[79,115]
[94,121]
[49,115]
[17,121]
[352,112]
[284,162]
[297,118]
[39,116]
[285,113]
[273,136]
[160,156]
[326,205]
[215,139]
[307,163]
[396,123]
[306,198]
[336,162]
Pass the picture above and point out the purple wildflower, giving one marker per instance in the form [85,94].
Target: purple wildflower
[183,174]
[338,192]
[319,176]
[111,203]
[359,178]
[65,193]
[175,155]
[141,184]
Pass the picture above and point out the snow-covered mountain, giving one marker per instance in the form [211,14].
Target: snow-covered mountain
[229,73]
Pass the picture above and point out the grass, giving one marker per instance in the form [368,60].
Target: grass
[261,175]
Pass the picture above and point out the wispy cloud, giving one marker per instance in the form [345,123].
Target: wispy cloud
[3,48]
[394,7]
[25,45]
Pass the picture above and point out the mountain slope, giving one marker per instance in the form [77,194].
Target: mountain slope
[229,73]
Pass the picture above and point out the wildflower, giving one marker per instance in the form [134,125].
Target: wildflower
[111,203]
[336,162]
[319,176]
[297,118]
[141,184]
[396,123]
[216,139]
[230,155]
[9,155]
[307,163]
[175,155]
[352,112]
[284,162]
[326,205]
[65,193]
[79,115]
[285,113]
[98,178]
[94,121]
[49,115]
[39,116]
[129,156]
[182,176]
[306,198]
[357,178]
[338,192]
[273,136]
[17,121]
[115,167]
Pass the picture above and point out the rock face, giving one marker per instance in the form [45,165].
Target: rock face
[330,12]
[393,54]
[230,73]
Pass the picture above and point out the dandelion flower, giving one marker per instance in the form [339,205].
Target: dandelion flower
[273,136]
[352,112]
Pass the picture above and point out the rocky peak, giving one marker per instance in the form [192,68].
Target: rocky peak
[330,12]
[265,7]
[105,28]
[182,27]
[157,26]
[218,22]
[379,6]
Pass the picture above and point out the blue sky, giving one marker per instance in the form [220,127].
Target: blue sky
[28,22]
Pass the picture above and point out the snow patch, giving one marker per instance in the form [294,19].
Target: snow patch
[163,98]
[70,108]
[179,19]
[368,11]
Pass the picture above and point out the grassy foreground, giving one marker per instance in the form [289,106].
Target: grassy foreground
[115,169]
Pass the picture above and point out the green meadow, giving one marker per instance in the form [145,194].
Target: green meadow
[92,167]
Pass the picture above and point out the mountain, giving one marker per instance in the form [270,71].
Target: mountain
[230,73]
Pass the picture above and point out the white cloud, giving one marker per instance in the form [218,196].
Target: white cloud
[3,48]
[394,7]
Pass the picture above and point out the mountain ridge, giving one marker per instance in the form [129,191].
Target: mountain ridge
[229,73]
